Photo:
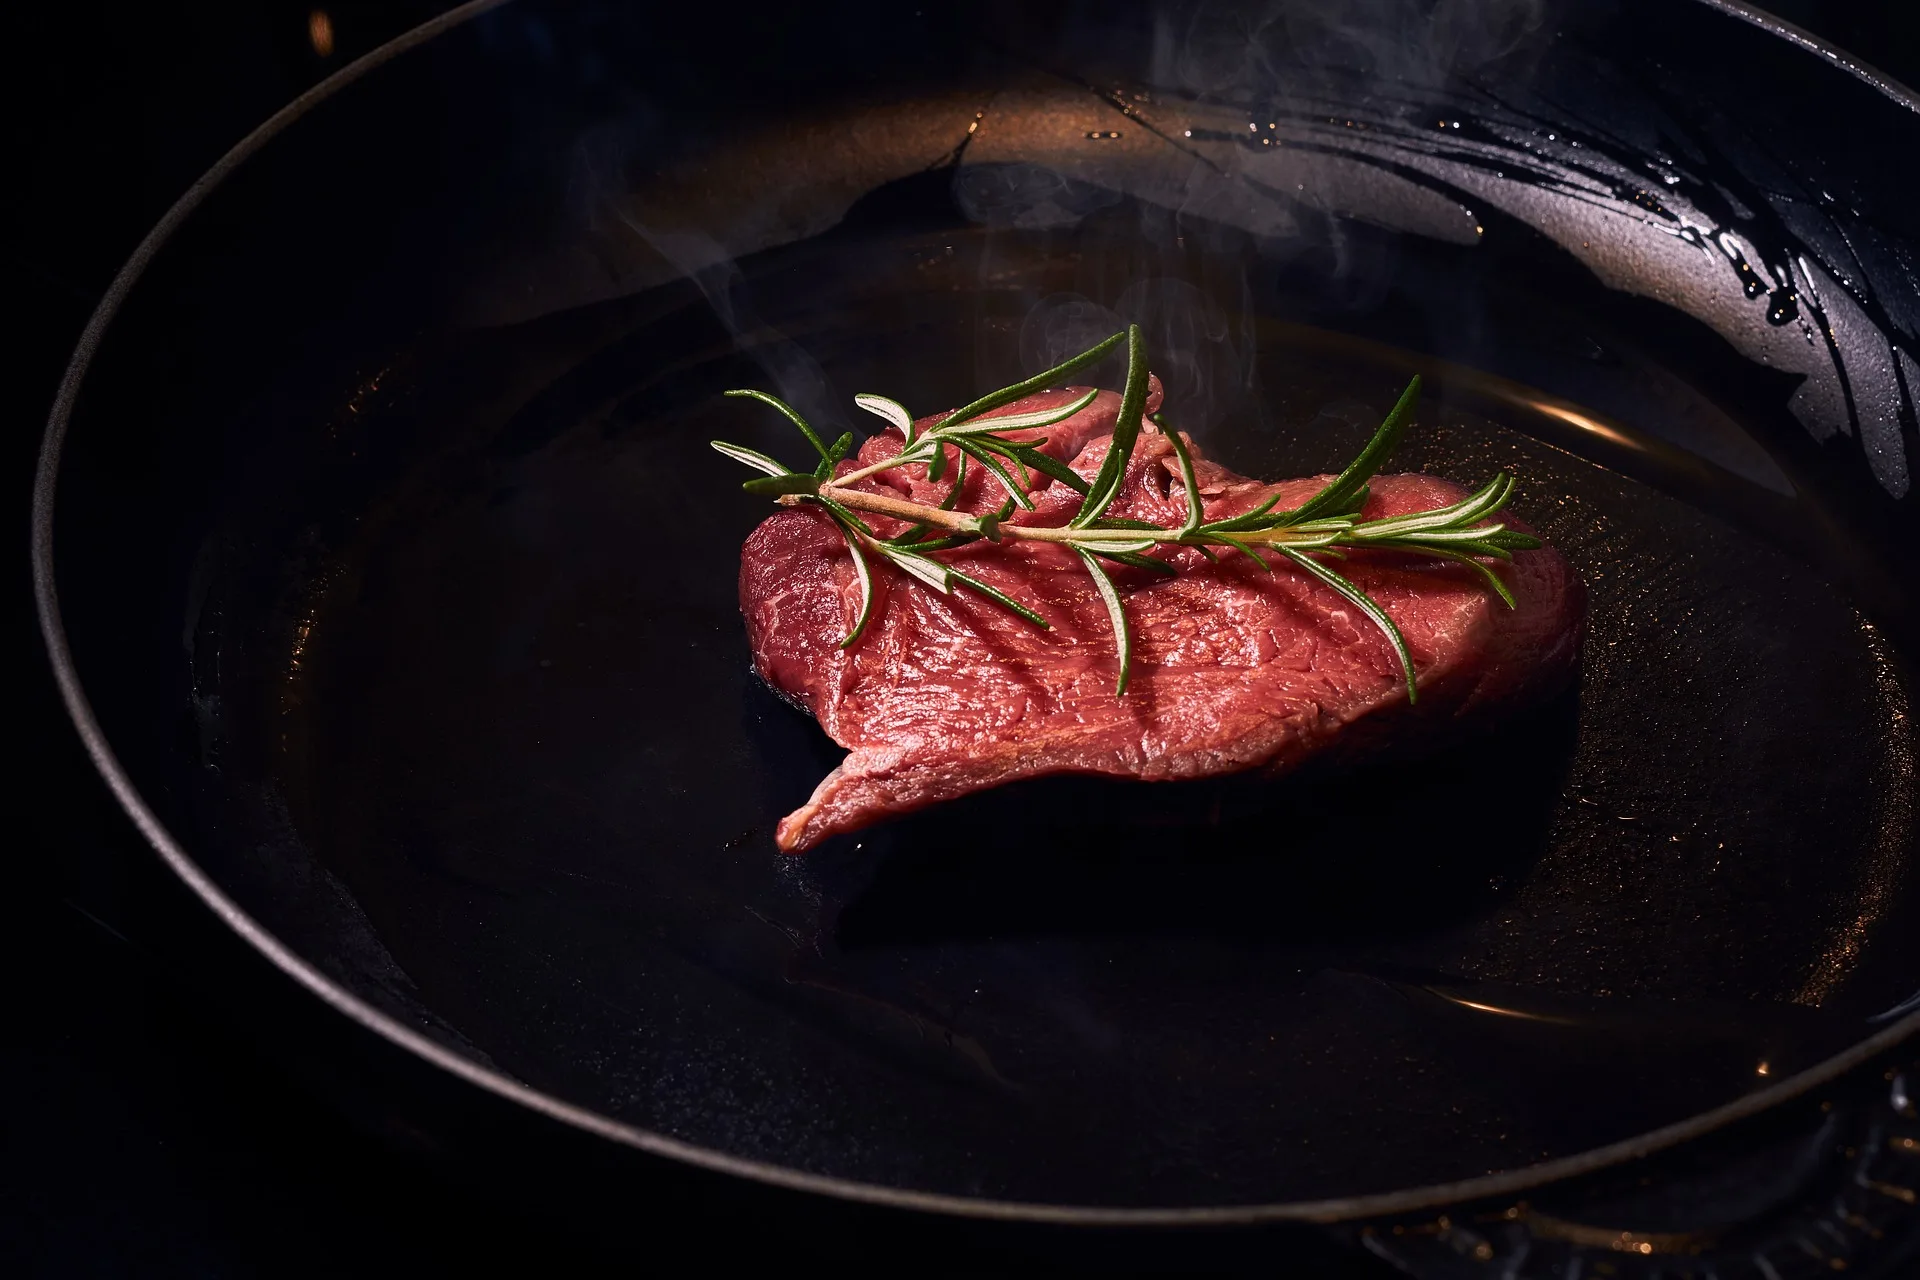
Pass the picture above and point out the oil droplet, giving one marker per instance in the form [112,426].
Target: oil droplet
[1645,199]
[1782,307]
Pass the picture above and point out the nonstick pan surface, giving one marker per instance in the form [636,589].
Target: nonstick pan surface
[396,598]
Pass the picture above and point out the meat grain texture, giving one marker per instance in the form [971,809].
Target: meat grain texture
[1235,668]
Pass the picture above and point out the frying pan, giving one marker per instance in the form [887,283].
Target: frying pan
[390,584]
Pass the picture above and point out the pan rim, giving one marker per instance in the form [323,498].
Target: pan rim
[369,1018]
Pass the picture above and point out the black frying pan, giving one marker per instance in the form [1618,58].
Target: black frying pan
[391,584]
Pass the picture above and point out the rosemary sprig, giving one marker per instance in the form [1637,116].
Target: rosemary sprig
[1327,524]
[1116,613]
[1126,429]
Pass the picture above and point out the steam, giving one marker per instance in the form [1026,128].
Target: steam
[796,376]
[1032,168]
[1062,325]
[1204,361]
[601,192]
[1213,49]
[1230,139]
[1292,122]
[1026,197]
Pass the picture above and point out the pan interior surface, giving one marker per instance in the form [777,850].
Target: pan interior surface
[517,721]
[428,647]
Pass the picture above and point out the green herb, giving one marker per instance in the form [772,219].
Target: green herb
[1324,526]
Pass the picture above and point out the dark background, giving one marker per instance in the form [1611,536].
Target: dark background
[143,1133]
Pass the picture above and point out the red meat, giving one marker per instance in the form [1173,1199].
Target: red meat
[1235,668]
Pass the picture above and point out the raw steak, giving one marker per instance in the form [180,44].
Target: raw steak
[1235,668]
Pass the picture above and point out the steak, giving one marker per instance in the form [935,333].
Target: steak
[1235,668]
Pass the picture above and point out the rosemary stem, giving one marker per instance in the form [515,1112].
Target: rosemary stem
[1309,537]
[899,508]
[1046,533]
[958,522]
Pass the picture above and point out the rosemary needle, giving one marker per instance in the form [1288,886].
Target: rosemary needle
[1326,524]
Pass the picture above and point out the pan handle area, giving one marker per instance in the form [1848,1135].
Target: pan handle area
[1827,1186]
